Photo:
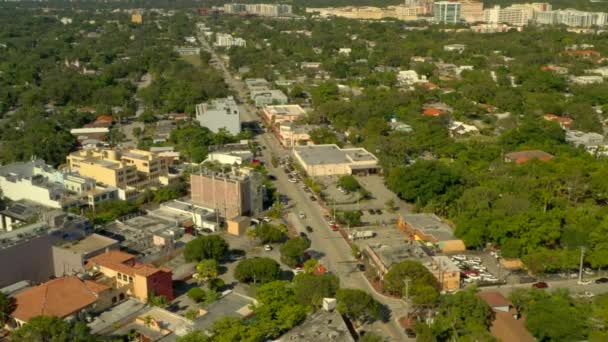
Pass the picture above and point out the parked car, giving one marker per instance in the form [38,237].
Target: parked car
[540,285]
[459,257]
[292,180]
[333,227]
[602,280]
[309,229]
[268,248]
[312,198]
[302,215]
[302,234]
[410,333]
[584,282]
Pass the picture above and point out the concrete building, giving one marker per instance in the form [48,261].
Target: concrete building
[571,18]
[517,14]
[220,113]
[231,157]
[264,10]
[276,115]
[323,325]
[186,214]
[446,12]
[409,77]
[455,48]
[187,50]
[432,230]
[331,160]
[227,40]
[238,225]
[255,84]
[131,277]
[400,12]
[291,134]
[586,79]
[382,256]
[263,98]
[34,181]
[128,170]
[586,139]
[156,324]
[471,11]
[232,194]
[71,257]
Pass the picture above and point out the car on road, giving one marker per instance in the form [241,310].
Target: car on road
[302,234]
[333,227]
[585,294]
[271,177]
[602,280]
[361,267]
[410,333]
[292,180]
[309,229]
[268,248]
[540,285]
[584,282]
[302,215]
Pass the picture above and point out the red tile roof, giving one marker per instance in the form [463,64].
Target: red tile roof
[59,297]
[565,122]
[124,263]
[104,118]
[522,157]
[433,112]
[494,299]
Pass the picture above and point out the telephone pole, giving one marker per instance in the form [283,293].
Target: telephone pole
[406,281]
[580,269]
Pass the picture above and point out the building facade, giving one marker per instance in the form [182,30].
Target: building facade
[231,194]
[331,160]
[220,113]
[446,12]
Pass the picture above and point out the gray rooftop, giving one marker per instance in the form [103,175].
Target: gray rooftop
[396,253]
[231,305]
[90,244]
[322,326]
[332,154]
[430,224]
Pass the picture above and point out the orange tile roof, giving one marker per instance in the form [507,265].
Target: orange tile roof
[522,157]
[124,263]
[105,118]
[59,297]
[494,299]
[562,120]
[433,112]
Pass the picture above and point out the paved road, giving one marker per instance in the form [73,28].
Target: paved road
[331,248]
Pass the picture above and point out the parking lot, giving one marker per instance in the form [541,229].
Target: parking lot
[473,270]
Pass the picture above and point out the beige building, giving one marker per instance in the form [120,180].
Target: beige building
[471,11]
[238,225]
[446,272]
[331,160]
[290,134]
[367,12]
[275,115]
[126,170]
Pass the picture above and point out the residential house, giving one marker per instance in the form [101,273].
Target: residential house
[508,324]
[255,84]
[455,48]
[563,122]
[460,129]
[586,79]
[586,139]
[135,279]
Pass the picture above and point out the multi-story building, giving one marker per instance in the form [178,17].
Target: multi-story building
[132,277]
[227,40]
[572,18]
[471,11]
[220,113]
[275,115]
[331,160]
[291,134]
[446,12]
[266,10]
[126,170]
[268,97]
[517,14]
[232,194]
[256,84]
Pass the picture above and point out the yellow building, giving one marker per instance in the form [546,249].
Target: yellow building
[131,169]
[137,18]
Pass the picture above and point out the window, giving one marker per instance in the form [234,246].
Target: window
[130,279]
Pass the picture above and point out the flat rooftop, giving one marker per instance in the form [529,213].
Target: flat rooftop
[445,263]
[332,154]
[396,253]
[89,244]
[231,305]
[285,110]
[320,326]
[430,224]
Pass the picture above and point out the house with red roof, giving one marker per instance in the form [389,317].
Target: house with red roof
[136,279]
[508,324]
[563,122]
[522,157]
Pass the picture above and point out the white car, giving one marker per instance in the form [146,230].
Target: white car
[584,282]
[459,257]
[585,294]
[292,180]
[268,248]
[302,215]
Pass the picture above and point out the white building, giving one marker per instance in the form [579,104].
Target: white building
[455,47]
[230,158]
[220,113]
[571,18]
[202,217]
[602,71]
[446,12]
[266,10]
[459,129]
[227,40]
[586,79]
[268,97]
[586,139]
[518,15]
[409,77]
[345,51]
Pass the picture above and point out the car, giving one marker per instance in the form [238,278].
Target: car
[371,211]
[271,177]
[410,333]
[333,227]
[602,280]
[378,211]
[268,248]
[584,282]
[540,285]
[585,294]
[303,235]
[292,180]
[459,257]
[470,272]
[206,230]
[302,215]
[309,229]
[266,219]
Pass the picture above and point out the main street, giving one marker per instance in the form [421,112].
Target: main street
[331,249]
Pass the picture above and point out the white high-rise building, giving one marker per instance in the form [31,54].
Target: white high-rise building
[446,12]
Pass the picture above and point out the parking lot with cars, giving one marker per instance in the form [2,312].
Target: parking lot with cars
[473,270]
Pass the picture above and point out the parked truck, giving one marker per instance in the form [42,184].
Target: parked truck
[366,234]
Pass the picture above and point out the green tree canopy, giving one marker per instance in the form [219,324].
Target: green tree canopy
[53,329]
[206,247]
[257,270]
[358,305]
[292,252]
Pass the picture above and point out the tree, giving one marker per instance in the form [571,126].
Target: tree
[268,233]
[463,314]
[7,305]
[324,135]
[197,294]
[370,337]
[349,183]
[351,218]
[310,265]
[195,336]
[207,269]
[556,318]
[310,289]
[422,287]
[53,329]
[292,252]
[257,270]
[205,247]
[358,305]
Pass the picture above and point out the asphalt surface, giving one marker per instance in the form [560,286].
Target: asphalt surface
[330,248]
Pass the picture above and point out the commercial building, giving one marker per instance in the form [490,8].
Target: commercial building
[431,230]
[128,170]
[571,18]
[220,114]
[331,160]
[237,193]
[131,277]
[446,12]
[517,14]
[67,298]
[323,325]
[263,98]
[231,157]
[275,115]
[71,257]
[291,134]
[446,272]
[586,79]
[265,10]
[255,84]
[227,40]
[186,214]
[382,256]
[401,12]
